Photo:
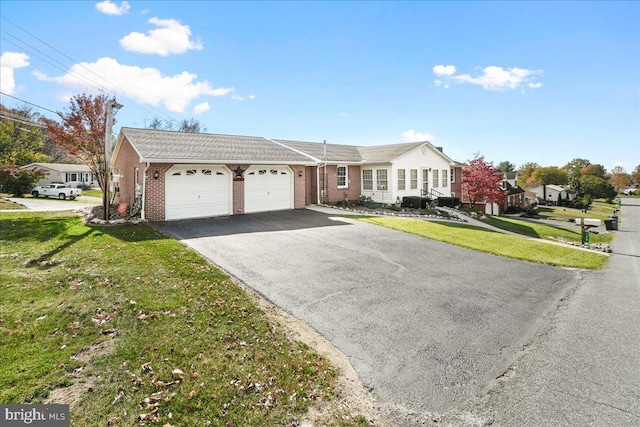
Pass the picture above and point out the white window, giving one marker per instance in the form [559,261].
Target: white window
[342,177]
[381,179]
[444,178]
[401,179]
[414,179]
[435,177]
[367,179]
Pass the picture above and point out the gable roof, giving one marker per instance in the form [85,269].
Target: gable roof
[60,167]
[170,146]
[386,153]
[334,152]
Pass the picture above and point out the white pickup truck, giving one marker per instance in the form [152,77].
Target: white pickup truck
[60,191]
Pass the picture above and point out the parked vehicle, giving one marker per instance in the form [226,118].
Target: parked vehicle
[61,191]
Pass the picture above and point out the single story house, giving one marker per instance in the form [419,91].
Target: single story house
[74,175]
[550,193]
[182,175]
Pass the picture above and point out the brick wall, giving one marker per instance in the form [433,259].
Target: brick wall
[154,194]
[238,190]
[125,165]
[335,194]
[299,187]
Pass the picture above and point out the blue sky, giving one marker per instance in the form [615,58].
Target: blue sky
[540,82]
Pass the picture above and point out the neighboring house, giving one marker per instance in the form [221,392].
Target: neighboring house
[73,175]
[515,195]
[550,193]
[192,175]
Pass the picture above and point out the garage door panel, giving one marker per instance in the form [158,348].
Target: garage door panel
[197,191]
[268,188]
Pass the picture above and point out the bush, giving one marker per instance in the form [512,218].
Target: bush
[18,181]
[513,210]
[367,202]
[415,202]
[450,202]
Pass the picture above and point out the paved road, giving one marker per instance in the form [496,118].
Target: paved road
[583,368]
[426,325]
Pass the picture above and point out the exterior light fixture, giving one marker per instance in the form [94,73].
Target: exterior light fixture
[300,174]
[156,175]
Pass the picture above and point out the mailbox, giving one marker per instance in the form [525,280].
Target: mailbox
[590,222]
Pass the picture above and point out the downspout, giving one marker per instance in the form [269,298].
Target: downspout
[144,190]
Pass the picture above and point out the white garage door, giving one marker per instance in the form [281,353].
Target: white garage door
[197,191]
[268,188]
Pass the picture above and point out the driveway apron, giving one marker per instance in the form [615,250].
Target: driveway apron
[426,325]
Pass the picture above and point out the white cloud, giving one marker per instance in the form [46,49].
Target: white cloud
[444,70]
[146,85]
[491,78]
[201,108]
[497,78]
[237,97]
[252,97]
[9,61]
[171,37]
[109,8]
[413,136]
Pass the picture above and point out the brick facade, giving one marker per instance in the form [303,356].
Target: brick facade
[334,194]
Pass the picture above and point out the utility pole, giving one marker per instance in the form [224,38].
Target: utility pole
[107,154]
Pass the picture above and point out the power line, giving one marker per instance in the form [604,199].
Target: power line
[27,102]
[78,74]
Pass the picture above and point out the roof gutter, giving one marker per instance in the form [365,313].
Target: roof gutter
[144,190]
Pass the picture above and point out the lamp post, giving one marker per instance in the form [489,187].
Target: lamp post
[111,105]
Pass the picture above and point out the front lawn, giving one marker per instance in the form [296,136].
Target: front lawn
[493,242]
[564,214]
[543,231]
[133,328]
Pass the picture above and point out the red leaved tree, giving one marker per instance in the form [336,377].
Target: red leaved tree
[82,130]
[481,182]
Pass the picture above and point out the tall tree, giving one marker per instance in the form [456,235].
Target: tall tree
[22,136]
[596,187]
[619,178]
[550,175]
[574,166]
[191,125]
[506,166]
[481,182]
[82,131]
[524,174]
[594,170]
[635,175]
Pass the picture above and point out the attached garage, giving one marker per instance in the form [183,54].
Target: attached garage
[197,191]
[268,188]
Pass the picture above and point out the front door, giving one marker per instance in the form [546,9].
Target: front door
[425,182]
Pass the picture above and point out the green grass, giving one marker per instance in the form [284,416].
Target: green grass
[598,210]
[8,204]
[481,239]
[93,193]
[145,305]
[543,231]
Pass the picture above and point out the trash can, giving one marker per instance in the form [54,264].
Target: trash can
[614,221]
[608,224]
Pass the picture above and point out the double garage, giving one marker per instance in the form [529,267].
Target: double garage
[201,190]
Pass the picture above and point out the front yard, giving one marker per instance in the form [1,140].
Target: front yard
[132,328]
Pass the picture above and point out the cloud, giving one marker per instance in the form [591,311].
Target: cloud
[201,108]
[171,37]
[109,8]
[9,61]
[146,85]
[491,78]
[444,70]
[237,97]
[252,97]
[413,136]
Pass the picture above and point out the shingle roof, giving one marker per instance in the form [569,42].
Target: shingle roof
[334,152]
[159,145]
[60,167]
[386,153]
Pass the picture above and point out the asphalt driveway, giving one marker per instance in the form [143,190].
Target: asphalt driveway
[426,325]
